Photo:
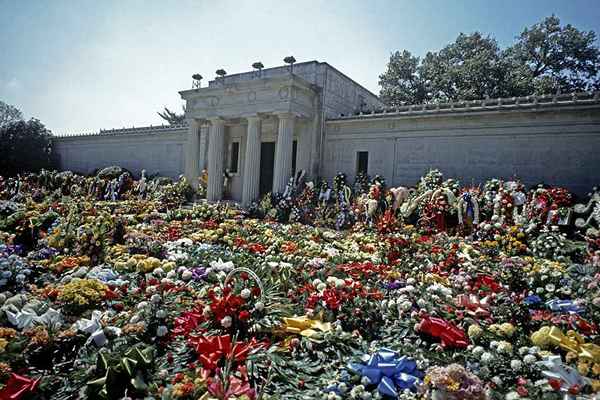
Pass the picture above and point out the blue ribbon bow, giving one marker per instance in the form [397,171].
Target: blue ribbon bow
[565,306]
[389,371]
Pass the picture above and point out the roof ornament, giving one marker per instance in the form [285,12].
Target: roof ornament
[258,66]
[196,81]
[221,75]
[290,60]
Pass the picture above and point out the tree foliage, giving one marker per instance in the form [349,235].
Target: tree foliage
[9,114]
[544,59]
[25,146]
[172,117]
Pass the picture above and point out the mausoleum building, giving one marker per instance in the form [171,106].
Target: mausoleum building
[260,128]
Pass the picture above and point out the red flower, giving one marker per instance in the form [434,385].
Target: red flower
[575,389]
[555,383]
[522,390]
[244,315]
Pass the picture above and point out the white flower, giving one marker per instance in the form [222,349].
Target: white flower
[487,357]
[497,380]
[206,311]
[155,298]
[246,293]
[516,365]
[550,287]
[512,396]
[158,272]
[186,275]
[171,274]
[161,331]
[523,350]
[529,359]
[478,351]
[226,322]
[222,266]
[161,313]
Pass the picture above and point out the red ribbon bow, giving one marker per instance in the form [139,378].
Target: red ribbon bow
[449,334]
[211,349]
[17,387]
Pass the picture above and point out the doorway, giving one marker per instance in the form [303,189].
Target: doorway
[267,164]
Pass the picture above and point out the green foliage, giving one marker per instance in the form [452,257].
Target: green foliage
[26,147]
[545,58]
[172,117]
[9,114]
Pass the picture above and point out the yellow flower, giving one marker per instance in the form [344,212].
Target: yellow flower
[507,329]
[583,368]
[3,344]
[82,292]
[475,331]
[453,386]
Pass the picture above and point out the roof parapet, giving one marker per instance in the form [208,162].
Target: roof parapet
[508,103]
[126,131]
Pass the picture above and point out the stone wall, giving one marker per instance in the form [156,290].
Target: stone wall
[159,150]
[342,95]
[557,143]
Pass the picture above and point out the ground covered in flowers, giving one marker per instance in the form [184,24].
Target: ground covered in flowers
[139,296]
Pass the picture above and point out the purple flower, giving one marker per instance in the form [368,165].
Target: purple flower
[394,285]
[199,273]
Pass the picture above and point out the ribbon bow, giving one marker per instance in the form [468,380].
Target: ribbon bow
[389,371]
[570,380]
[565,306]
[305,326]
[23,319]
[94,327]
[572,341]
[449,334]
[125,372]
[475,306]
[18,386]
[211,349]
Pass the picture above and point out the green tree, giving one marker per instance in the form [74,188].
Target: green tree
[9,114]
[172,117]
[25,146]
[557,58]
[402,82]
[545,58]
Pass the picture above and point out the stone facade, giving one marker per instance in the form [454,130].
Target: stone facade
[262,126]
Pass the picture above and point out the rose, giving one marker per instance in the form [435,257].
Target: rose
[244,315]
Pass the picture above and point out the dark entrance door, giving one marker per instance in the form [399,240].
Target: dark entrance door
[267,163]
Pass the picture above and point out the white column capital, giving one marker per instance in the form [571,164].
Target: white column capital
[285,115]
[193,123]
[254,118]
[216,121]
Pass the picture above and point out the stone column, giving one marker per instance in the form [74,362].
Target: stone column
[250,186]
[283,152]
[192,159]
[214,190]
[203,146]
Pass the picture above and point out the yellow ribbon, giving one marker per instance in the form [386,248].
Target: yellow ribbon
[572,341]
[305,326]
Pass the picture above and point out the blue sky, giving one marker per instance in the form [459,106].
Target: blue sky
[82,65]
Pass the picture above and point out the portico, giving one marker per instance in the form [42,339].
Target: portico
[229,122]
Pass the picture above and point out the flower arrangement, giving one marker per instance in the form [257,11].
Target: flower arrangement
[362,291]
